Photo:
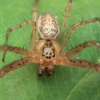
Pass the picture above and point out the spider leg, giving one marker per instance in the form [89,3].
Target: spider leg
[65,21]
[82,46]
[35,11]
[34,35]
[13,28]
[73,27]
[77,63]
[15,50]
[16,64]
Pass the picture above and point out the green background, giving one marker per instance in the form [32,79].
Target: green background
[67,83]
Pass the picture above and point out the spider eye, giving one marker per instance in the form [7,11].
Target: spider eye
[48,53]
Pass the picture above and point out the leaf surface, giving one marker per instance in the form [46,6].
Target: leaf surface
[67,83]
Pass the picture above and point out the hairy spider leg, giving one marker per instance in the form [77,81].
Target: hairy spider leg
[35,11]
[65,21]
[16,64]
[16,50]
[64,60]
[73,27]
[80,47]
[13,28]
[34,35]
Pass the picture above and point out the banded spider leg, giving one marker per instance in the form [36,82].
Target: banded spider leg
[73,27]
[75,50]
[30,57]
[34,35]
[68,61]
[12,29]
[65,21]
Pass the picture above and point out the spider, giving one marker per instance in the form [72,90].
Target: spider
[48,51]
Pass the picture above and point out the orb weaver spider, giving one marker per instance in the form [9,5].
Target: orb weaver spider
[46,50]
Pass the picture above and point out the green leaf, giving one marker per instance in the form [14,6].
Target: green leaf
[67,83]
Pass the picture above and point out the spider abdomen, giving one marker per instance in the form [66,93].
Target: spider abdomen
[47,26]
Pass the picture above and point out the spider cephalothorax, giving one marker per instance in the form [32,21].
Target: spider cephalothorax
[46,51]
